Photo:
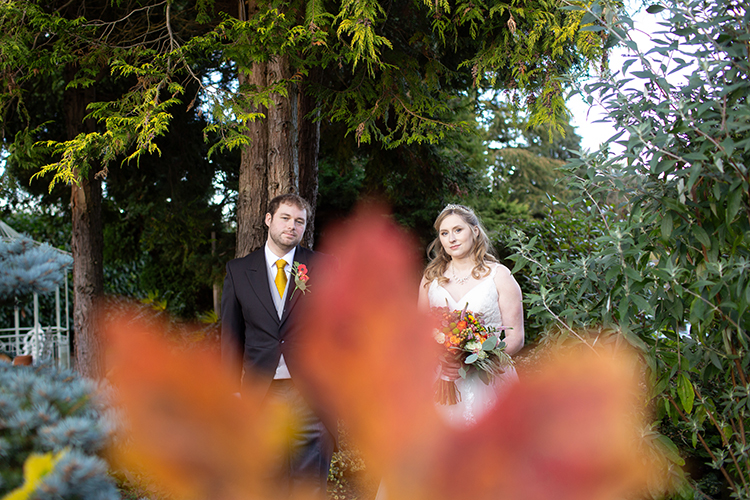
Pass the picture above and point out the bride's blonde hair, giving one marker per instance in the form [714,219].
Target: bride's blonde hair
[439,259]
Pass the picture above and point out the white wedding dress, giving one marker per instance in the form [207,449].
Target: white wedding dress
[476,396]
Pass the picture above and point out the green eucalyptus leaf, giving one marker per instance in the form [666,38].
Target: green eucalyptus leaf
[671,451]
[685,392]
[490,343]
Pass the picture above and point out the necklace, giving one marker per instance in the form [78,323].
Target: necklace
[458,280]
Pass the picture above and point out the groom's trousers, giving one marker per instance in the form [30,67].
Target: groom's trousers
[305,459]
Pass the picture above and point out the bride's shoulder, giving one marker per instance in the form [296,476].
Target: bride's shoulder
[500,273]
[498,269]
[504,279]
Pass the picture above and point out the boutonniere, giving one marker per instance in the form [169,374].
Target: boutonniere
[299,271]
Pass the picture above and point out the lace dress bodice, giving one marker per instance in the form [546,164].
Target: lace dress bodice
[476,397]
[481,300]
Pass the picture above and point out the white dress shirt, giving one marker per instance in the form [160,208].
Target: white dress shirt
[282,371]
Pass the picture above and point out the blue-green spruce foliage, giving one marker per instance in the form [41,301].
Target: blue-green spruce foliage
[45,409]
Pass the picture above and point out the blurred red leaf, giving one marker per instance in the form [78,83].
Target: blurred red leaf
[185,429]
[568,431]
[368,347]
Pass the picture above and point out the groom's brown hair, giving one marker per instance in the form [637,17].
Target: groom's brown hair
[289,199]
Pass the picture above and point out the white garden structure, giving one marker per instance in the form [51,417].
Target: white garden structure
[43,342]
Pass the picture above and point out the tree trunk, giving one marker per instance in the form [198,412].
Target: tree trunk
[87,241]
[253,183]
[309,147]
[88,274]
[283,142]
[275,162]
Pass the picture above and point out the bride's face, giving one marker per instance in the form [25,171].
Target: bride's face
[456,236]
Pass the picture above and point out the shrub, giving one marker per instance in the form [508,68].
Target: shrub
[669,267]
[44,410]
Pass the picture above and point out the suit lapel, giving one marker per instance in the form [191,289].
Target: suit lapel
[301,255]
[257,275]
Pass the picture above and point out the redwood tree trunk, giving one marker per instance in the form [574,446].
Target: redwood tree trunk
[283,154]
[88,274]
[253,183]
[87,241]
[309,147]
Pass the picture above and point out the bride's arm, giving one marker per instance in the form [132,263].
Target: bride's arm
[448,365]
[423,302]
[511,309]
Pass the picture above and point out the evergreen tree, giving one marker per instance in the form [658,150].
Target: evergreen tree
[30,267]
[387,71]
[44,410]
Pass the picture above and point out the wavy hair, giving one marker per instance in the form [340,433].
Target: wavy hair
[440,260]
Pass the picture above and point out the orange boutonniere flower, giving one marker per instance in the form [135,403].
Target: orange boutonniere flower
[299,271]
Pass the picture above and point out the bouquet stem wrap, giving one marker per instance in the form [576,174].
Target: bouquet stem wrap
[475,346]
[446,392]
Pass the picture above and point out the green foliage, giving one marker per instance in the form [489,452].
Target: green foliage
[520,176]
[357,19]
[159,218]
[415,180]
[393,71]
[524,161]
[666,248]
[347,478]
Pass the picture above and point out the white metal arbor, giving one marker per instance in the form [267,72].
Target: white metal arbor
[41,342]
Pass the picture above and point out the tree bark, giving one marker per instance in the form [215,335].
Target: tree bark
[87,241]
[309,148]
[283,154]
[253,183]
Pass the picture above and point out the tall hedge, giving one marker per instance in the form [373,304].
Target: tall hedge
[665,209]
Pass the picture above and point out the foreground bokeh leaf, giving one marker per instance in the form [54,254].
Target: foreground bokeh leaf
[185,428]
[571,429]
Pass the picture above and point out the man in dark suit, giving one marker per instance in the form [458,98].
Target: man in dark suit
[259,334]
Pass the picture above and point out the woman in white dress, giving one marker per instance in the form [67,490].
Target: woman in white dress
[463,273]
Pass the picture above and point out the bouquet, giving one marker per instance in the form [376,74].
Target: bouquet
[475,345]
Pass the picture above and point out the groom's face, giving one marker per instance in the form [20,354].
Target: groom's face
[285,228]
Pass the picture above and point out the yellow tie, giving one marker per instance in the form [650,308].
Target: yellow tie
[280,277]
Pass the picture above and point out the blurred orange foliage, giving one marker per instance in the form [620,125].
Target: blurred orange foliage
[184,427]
[569,430]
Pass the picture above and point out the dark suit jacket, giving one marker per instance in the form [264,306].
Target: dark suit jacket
[252,335]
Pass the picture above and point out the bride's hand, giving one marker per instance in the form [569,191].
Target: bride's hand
[449,366]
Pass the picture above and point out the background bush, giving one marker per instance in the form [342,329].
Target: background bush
[42,410]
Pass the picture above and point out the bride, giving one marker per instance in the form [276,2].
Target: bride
[462,273]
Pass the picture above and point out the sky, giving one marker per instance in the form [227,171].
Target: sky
[584,117]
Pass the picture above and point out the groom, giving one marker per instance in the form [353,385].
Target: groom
[259,331]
